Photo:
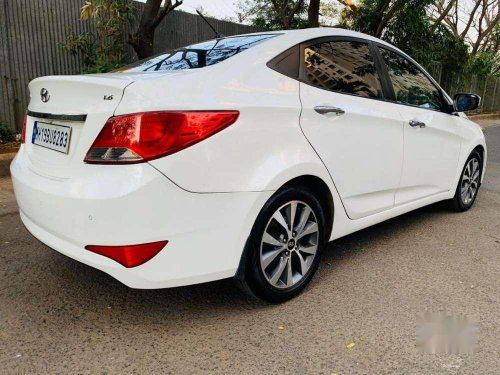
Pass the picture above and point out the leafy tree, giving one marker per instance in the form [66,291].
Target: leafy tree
[263,13]
[286,10]
[143,39]
[373,16]
[484,63]
[104,49]
[414,32]
[476,21]
[407,25]
[6,134]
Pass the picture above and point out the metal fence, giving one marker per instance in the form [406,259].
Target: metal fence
[31,32]
[488,87]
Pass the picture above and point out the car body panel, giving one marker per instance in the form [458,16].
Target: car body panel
[367,137]
[205,199]
[430,154]
[70,96]
[134,205]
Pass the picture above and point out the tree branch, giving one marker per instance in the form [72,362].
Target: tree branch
[471,18]
[286,18]
[476,45]
[348,4]
[388,16]
[444,13]
[485,33]
[167,8]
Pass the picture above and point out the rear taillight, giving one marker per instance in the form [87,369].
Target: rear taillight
[145,136]
[23,132]
[129,255]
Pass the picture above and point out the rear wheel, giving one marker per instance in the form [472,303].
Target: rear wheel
[283,250]
[469,183]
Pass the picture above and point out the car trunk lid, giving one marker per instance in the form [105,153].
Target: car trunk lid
[78,105]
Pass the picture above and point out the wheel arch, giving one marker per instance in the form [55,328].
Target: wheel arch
[320,189]
[480,148]
[482,152]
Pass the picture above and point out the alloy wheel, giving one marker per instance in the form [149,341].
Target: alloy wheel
[470,181]
[289,244]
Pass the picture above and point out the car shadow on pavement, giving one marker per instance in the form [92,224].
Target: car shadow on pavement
[79,282]
[351,244]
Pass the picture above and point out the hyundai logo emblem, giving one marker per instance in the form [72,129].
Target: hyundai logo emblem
[44,94]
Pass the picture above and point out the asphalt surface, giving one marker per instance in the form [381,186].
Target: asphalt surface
[60,316]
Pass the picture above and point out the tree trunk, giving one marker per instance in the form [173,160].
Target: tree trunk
[287,23]
[387,17]
[285,13]
[142,41]
[313,13]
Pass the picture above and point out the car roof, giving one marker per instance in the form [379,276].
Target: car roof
[290,38]
[286,39]
[301,35]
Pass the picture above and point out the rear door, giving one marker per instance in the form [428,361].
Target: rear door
[431,138]
[351,127]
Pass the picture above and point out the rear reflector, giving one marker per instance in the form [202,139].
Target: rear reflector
[145,136]
[129,255]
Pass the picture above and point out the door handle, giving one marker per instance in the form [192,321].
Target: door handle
[416,123]
[324,109]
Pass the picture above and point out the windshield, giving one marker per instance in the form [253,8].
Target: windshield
[198,55]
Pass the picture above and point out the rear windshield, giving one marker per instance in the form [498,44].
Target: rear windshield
[198,55]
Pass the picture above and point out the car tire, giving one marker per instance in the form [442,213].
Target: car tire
[468,184]
[280,259]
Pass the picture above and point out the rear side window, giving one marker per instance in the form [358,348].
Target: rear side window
[342,66]
[198,55]
[411,86]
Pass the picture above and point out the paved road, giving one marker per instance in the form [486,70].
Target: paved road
[59,316]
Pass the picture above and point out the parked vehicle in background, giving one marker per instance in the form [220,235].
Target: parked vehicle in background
[240,157]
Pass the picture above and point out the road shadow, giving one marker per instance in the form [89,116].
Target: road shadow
[80,282]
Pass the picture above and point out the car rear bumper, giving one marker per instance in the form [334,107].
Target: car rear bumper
[134,204]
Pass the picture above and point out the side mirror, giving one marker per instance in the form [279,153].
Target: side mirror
[466,102]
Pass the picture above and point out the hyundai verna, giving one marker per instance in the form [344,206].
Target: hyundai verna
[240,157]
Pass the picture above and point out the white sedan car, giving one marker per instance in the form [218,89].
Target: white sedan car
[240,157]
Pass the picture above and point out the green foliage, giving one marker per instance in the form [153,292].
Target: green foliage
[262,14]
[6,134]
[485,63]
[411,30]
[104,49]
[427,43]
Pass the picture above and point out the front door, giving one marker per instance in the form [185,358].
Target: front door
[431,140]
[352,129]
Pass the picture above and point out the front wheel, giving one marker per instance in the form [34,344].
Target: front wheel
[283,250]
[469,183]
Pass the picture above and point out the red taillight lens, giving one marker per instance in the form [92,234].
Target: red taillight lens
[23,132]
[145,136]
[129,255]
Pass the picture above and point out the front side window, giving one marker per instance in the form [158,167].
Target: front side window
[411,86]
[198,55]
[343,66]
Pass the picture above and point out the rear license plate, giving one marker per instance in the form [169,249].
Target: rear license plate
[55,137]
